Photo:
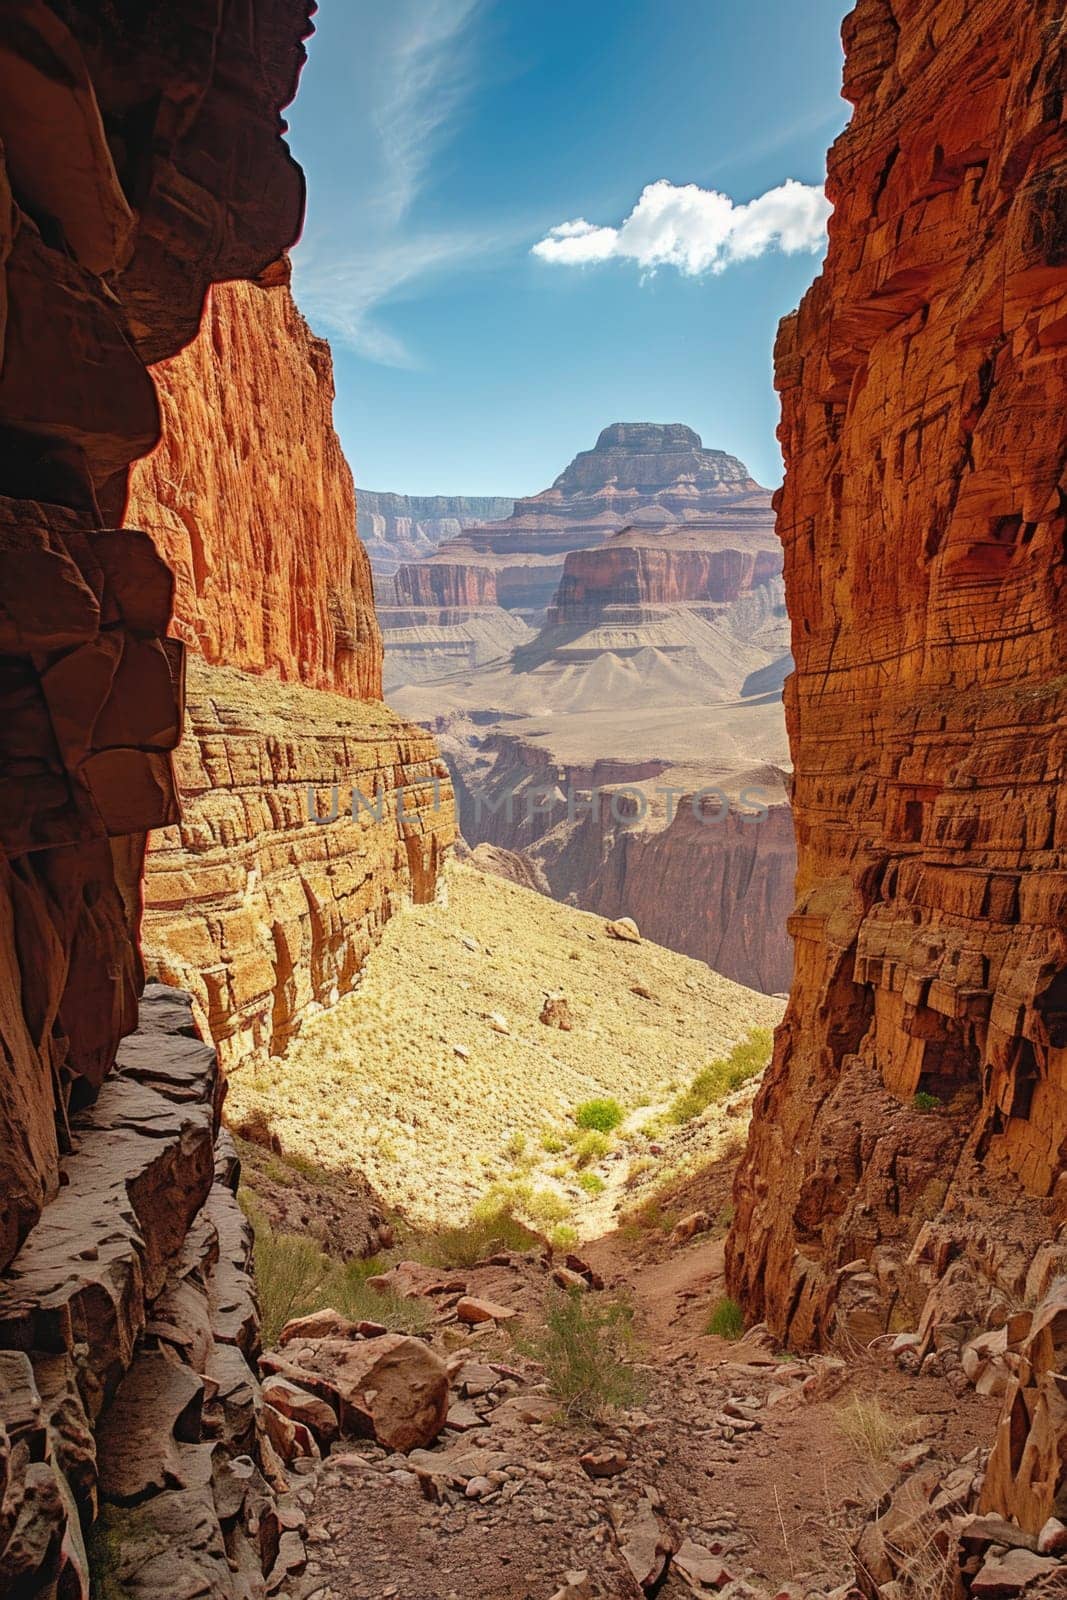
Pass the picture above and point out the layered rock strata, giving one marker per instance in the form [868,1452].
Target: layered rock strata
[128,1337]
[400,528]
[915,1116]
[262,912]
[651,475]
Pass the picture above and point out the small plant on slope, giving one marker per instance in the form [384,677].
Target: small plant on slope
[874,1433]
[722,1076]
[925,1102]
[603,1115]
[585,1348]
[727,1320]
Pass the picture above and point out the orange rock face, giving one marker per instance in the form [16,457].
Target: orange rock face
[263,915]
[251,502]
[923,517]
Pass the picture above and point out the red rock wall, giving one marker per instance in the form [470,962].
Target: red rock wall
[262,916]
[924,424]
[637,575]
[151,163]
[251,502]
[448,584]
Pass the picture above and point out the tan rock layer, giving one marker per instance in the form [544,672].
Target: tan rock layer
[263,914]
[925,435]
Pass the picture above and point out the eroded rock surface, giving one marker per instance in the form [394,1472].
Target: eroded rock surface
[915,1116]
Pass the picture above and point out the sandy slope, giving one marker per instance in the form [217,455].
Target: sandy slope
[378,1082]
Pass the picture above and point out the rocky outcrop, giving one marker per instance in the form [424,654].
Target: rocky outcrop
[128,1337]
[915,1116]
[116,211]
[446,584]
[307,820]
[263,915]
[250,500]
[408,527]
[637,471]
[691,564]
[428,642]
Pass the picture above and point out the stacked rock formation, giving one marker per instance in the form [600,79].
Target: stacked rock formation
[262,915]
[400,528]
[915,1116]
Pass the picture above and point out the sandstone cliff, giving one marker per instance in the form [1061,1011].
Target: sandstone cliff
[262,915]
[250,501]
[923,522]
[141,160]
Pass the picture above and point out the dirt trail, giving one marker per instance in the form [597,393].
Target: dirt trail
[735,1448]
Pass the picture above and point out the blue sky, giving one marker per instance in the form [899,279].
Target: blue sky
[472,247]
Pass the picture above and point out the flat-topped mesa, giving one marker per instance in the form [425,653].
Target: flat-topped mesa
[639,474]
[692,564]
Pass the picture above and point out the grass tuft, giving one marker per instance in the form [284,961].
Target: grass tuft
[874,1433]
[727,1320]
[590,1147]
[591,1182]
[492,1226]
[722,1076]
[925,1102]
[585,1349]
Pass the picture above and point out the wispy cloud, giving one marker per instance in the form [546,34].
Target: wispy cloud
[418,71]
[695,230]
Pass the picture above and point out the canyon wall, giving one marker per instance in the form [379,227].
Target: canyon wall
[262,914]
[142,160]
[923,519]
[408,527]
[250,500]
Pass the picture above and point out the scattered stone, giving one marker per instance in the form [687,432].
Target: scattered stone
[696,1222]
[623,928]
[461,1051]
[498,1023]
[566,1279]
[607,1461]
[1052,1540]
[576,1586]
[472,1311]
[699,1567]
[555,1011]
[462,1418]
[317,1415]
[1010,1573]
[325,1324]
[646,1545]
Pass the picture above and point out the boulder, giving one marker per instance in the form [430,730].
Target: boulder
[624,928]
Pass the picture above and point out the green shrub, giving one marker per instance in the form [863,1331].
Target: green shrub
[590,1147]
[727,1320]
[295,1277]
[492,1226]
[563,1236]
[584,1349]
[724,1075]
[553,1144]
[591,1182]
[604,1115]
[925,1102]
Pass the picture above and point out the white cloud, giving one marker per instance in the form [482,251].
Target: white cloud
[365,250]
[696,230]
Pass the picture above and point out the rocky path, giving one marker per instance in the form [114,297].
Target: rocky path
[735,1476]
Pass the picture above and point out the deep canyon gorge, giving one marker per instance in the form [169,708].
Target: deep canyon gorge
[191,659]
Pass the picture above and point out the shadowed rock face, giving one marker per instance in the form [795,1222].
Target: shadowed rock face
[922,517]
[142,159]
[155,158]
